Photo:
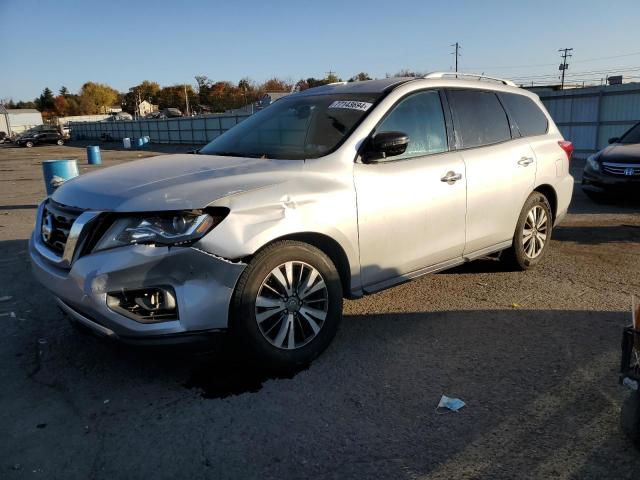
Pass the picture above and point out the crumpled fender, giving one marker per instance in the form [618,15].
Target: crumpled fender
[313,202]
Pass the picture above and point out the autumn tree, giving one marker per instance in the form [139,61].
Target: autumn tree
[275,85]
[97,97]
[174,97]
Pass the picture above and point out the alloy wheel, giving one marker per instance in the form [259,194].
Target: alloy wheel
[535,231]
[292,305]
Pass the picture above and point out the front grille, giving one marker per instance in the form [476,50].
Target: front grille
[56,224]
[621,169]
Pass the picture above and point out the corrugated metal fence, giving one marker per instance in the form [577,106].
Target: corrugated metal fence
[186,130]
[590,116]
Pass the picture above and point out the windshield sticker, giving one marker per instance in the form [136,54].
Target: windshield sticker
[364,106]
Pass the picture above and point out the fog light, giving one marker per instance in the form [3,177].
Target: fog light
[146,305]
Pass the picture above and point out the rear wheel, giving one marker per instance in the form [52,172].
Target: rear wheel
[287,305]
[533,233]
[60,142]
[28,144]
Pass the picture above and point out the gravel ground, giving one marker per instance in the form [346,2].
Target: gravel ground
[533,354]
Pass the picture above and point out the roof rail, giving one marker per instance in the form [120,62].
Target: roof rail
[471,75]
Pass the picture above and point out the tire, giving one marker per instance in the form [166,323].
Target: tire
[630,417]
[60,142]
[29,144]
[264,326]
[522,254]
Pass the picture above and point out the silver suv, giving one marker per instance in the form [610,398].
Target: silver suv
[337,191]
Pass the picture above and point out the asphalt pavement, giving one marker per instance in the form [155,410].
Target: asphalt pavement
[533,354]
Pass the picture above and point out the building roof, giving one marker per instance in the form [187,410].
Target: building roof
[18,111]
[277,95]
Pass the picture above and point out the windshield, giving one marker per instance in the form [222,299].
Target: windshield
[297,127]
[632,136]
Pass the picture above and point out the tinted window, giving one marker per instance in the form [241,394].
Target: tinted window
[526,114]
[296,127]
[632,136]
[479,118]
[420,116]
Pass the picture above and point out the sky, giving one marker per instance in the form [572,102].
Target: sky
[121,43]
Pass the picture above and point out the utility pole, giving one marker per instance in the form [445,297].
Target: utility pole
[564,65]
[456,53]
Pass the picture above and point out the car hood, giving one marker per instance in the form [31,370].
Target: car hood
[172,182]
[618,153]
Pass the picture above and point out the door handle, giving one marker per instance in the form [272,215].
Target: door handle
[525,161]
[451,177]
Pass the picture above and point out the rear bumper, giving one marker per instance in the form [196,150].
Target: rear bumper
[203,285]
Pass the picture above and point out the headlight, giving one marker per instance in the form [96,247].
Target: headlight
[592,163]
[161,229]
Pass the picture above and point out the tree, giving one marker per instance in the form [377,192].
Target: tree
[97,97]
[275,85]
[332,78]
[360,77]
[405,72]
[61,106]
[63,91]
[173,97]
[147,90]
[45,102]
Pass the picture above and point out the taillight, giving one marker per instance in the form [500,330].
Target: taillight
[567,146]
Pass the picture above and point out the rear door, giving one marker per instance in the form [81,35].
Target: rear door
[409,216]
[501,167]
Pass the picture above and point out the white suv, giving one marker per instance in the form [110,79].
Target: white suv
[337,191]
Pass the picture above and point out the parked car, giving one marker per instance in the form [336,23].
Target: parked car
[118,117]
[615,170]
[38,136]
[338,191]
[169,113]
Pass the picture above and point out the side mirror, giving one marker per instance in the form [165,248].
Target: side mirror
[614,140]
[386,144]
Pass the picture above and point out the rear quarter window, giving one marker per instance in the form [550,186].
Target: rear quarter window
[479,118]
[525,113]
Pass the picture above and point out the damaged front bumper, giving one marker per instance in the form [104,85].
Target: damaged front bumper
[203,285]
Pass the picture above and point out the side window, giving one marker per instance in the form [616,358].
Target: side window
[527,115]
[479,118]
[420,116]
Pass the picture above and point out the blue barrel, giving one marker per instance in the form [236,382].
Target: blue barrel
[140,142]
[56,172]
[93,155]
[146,139]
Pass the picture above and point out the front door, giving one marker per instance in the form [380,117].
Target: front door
[411,207]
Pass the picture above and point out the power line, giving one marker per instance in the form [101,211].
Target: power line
[574,74]
[497,67]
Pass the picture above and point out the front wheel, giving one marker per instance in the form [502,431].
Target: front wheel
[29,144]
[60,142]
[533,233]
[287,305]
